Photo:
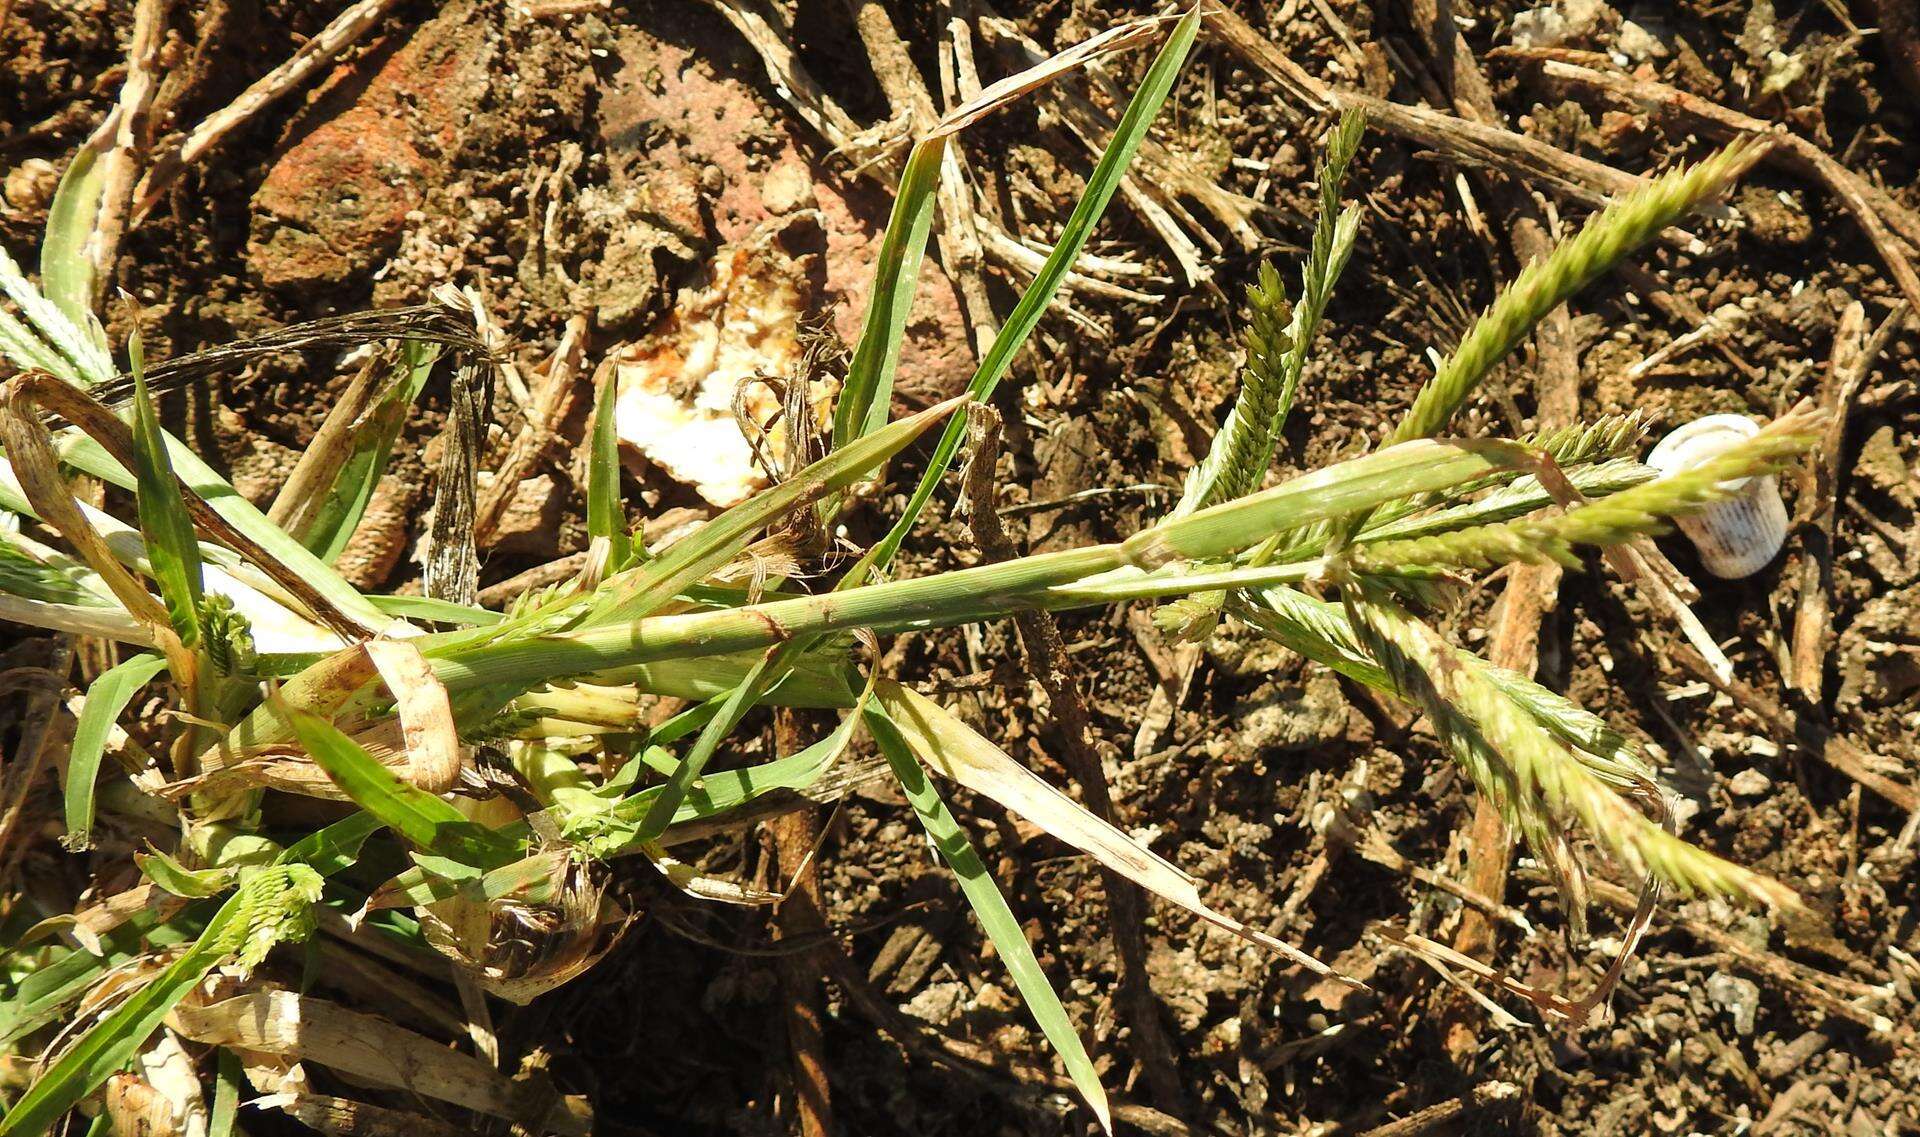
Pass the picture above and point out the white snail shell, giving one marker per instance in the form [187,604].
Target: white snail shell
[1741,535]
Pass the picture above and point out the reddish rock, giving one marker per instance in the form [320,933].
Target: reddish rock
[335,203]
[671,117]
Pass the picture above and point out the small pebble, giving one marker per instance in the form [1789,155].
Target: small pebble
[1739,997]
[1749,783]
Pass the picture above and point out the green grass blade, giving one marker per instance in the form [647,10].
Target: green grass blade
[1002,926]
[22,347]
[335,847]
[39,997]
[33,572]
[106,698]
[867,395]
[66,268]
[718,793]
[86,455]
[228,1076]
[605,515]
[172,549]
[423,820]
[80,346]
[110,1044]
[332,525]
[817,680]
[434,879]
[737,703]
[439,611]
[1356,484]
[1101,185]
[189,884]
[776,664]
[616,832]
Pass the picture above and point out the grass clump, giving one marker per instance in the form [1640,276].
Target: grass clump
[287,681]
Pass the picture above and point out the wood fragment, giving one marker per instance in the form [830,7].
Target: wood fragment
[1822,474]
[42,703]
[452,570]
[347,1118]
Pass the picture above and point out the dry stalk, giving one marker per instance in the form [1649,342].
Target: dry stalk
[551,402]
[122,140]
[1854,355]
[801,915]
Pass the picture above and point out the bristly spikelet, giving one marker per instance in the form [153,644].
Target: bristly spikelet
[1242,449]
[226,635]
[1322,632]
[1642,510]
[276,906]
[1190,619]
[1278,338]
[1607,439]
[1603,439]
[1406,520]
[1540,785]
[1543,285]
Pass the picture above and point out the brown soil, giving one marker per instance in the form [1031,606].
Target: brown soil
[593,163]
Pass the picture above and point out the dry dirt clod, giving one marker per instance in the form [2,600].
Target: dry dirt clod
[30,185]
[1292,716]
[529,525]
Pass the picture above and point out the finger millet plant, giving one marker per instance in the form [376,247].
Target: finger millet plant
[496,761]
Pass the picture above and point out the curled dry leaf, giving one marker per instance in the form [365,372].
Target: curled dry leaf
[421,742]
[521,946]
[371,1049]
[431,742]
